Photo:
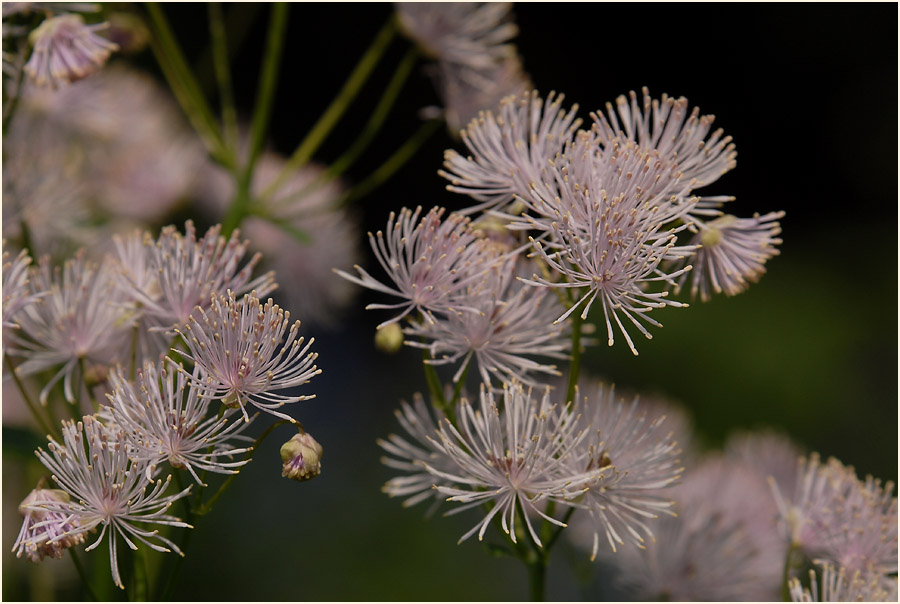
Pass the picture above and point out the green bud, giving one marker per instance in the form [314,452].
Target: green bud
[389,338]
[302,457]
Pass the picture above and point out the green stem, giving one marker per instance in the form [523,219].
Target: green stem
[9,106]
[559,529]
[262,111]
[139,562]
[336,109]
[368,133]
[39,417]
[238,21]
[537,579]
[223,74]
[89,389]
[392,164]
[207,507]
[83,575]
[135,335]
[185,540]
[575,366]
[284,225]
[185,87]
[786,574]
[434,382]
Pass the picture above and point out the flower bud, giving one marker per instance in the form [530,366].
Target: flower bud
[389,338]
[302,457]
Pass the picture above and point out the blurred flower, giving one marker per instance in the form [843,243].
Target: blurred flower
[718,548]
[411,456]
[78,321]
[165,419]
[26,8]
[514,458]
[838,518]
[639,458]
[471,34]
[108,489]
[45,533]
[508,324]
[769,452]
[239,351]
[304,204]
[16,295]
[302,457]
[65,50]
[128,32]
[732,253]
[840,586]
[431,262]
[177,273]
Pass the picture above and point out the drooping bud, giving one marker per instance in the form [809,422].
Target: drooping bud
[302,457]
[389,338]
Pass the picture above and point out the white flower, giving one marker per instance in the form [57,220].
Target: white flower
[45,533]
[639,457]
[509,323]
[512,150]
[65,50]
[166,418]
[733,252]
[16,295]
[237,346]
[419,421]
[108,490]
[837,585]
[431,262]
[470,34]
[185,271]
[78,320]
[512,459]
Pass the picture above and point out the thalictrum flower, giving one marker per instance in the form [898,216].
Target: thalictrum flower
[239,349]
[45,533]
[109,490]
[166,418]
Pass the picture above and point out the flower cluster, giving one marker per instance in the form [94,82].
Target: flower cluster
[518,450]
[103,328]
[470,305]
[609,206]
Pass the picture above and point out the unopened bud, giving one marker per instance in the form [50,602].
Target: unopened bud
[302,457]
[389,338]
[128,31]
[95,375]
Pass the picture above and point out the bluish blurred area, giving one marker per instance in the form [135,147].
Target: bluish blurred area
[809,94]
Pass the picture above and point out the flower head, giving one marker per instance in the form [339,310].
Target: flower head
[16,295]
[165,417]
[237,346]
[79,319]
[186,271]
[108,489]
[470,34]
[430,260]
[44,532]
[639,457]
[514,458]
[732,253]
[509,323]
[302,457]
[838,585]
[65,50]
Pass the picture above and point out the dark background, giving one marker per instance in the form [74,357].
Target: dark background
[809,94]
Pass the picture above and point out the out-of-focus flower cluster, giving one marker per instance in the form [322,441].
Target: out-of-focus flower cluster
[97,335]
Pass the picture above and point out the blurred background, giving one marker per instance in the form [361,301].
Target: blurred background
[809,95]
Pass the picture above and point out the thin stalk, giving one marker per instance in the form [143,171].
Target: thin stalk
[537,579]
[184,85]
[320,130]
[223,74]
[44,424]
[207,507]
[90,389]
[559,529]
[786,574]
[262,112]
[368,133]
[434,382]
[139,562]
[392,164]
[457,391]
[9,106]
[281,223]
[575,366]
[185,540]
[135,335]
[83,576]
[238,21]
